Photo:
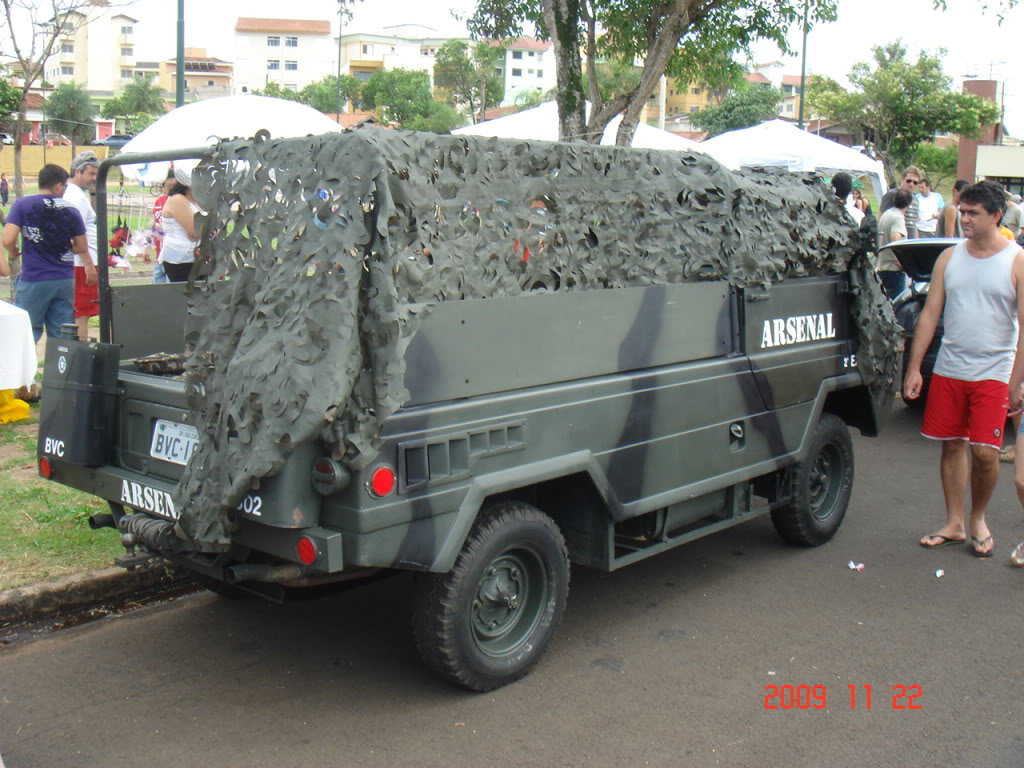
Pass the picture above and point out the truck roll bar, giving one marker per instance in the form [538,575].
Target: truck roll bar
[103,242]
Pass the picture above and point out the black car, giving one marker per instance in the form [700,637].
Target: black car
[918,257]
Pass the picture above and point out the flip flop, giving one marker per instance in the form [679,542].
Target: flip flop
[944,541]
[977,543]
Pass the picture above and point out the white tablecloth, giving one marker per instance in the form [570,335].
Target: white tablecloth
[17,348]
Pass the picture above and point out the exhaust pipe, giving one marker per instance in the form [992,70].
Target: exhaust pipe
[101,521]
[261,572]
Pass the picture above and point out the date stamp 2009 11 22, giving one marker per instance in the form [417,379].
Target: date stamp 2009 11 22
[904,697]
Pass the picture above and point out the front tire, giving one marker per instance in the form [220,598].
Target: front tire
[821,486]
[485,623]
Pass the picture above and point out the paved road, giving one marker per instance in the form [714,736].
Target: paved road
[664,663]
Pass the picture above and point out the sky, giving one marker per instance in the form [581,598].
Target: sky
[975,41]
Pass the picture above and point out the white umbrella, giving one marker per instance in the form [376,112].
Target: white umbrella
[202,123]
[541,123]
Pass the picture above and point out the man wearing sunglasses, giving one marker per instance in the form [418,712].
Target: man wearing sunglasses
[911,179]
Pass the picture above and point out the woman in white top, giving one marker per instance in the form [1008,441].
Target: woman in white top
[178,219]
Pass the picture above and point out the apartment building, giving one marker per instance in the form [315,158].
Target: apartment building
[528,66]
[206,77]
[96,48]
[403,46]
[290,52]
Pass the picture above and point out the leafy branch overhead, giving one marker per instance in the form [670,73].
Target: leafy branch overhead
[897,103]
[695,40]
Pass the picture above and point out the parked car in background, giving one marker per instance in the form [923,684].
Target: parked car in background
[114,140]
[56,140]
[918,257]
[6,138]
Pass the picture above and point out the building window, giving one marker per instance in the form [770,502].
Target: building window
[517,73]
[273,41]
[66,70]
[126,74]
[694,109]
[273,64]
[291,66]
[139,75]
[291,42]
[696,91]
[540,73]
[209,82]
[529,71]
[366,50]
[127,51]
[67,48]
[127,30]
[498,71]
[517,54]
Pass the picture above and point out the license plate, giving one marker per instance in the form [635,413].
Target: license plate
[173,442]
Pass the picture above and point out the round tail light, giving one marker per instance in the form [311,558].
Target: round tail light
[383,481]
[45,468]
[307,550]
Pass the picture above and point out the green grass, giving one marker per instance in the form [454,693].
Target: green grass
[43,525]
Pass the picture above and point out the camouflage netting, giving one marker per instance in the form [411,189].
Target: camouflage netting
[323,252]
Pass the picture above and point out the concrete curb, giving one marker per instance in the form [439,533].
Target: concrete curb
[79,590]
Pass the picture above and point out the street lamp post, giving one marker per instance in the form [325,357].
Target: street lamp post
[803,65]
[179,80]
[337,83]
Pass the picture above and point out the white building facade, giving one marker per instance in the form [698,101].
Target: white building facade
[290,52]
[403,46]
[528,66]
[96,49]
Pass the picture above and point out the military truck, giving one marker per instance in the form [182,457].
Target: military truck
[477,360]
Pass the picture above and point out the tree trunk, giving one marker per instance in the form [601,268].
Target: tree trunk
[658,54]
[19,132]
[562,19]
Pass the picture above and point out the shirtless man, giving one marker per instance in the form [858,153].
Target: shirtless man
[979,284]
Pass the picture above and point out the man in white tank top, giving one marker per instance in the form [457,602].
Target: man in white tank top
[977,288]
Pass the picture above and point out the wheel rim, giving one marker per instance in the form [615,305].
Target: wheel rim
[825,481]
[509,601]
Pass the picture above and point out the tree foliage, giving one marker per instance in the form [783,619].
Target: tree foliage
[70,111]
[938,163]
[693,40]
[614,78]
[439,118]
[468,75]
[10,101]
[398,94]
[897,104]
[747,105]
[28,38]
[328,95]
[140,95]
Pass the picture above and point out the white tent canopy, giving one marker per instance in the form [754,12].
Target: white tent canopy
[541,123]
[202,123]
[777,143]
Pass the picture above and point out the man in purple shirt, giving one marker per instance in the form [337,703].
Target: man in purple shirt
[51,231]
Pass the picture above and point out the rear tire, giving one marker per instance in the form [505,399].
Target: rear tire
[486,622]
[821,486]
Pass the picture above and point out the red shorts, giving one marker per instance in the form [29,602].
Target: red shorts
[966,410]
[87,297]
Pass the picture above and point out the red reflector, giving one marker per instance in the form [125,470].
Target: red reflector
[382,482]
[45,468]
[305,548]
